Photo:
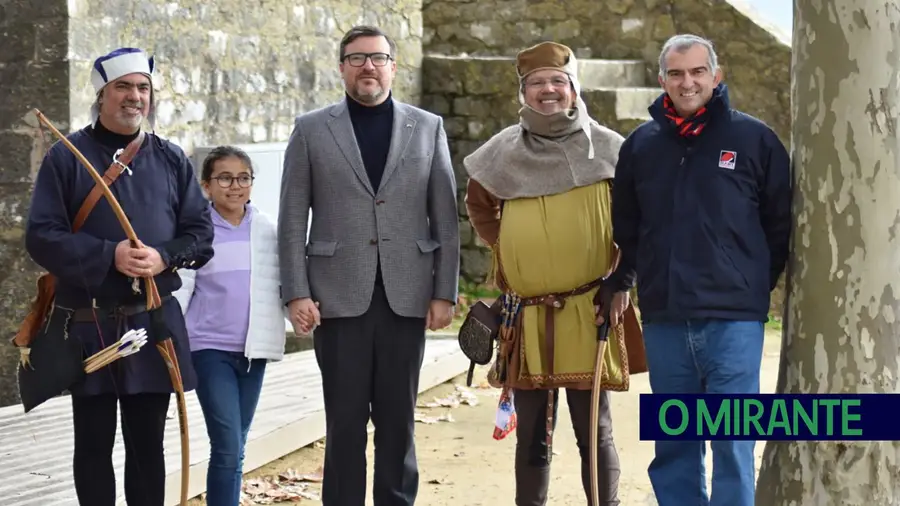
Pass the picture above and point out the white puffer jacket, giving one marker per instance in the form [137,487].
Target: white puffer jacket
[267,328]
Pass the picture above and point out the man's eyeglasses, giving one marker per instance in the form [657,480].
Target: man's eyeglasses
[556,82]
[359,59]
[226,181]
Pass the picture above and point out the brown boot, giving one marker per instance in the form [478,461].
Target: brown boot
[532,452]
[531,484]
[608,459]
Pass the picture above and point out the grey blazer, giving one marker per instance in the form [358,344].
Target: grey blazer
[412,219]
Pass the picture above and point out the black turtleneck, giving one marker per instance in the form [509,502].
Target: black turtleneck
[111,139]
[372,126]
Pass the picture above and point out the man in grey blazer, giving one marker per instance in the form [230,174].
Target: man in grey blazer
[381,265]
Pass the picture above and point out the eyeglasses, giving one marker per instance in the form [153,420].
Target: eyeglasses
[556,82]
[226,181]
[359,59]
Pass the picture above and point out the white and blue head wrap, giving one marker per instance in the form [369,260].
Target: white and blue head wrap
[121,62]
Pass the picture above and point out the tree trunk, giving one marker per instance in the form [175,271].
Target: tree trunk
[842,329]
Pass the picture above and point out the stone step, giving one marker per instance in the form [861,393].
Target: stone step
[591,72]
[628,103]
[611,73]
[632,103]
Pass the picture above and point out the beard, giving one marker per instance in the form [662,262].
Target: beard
[366,94]
[128,120]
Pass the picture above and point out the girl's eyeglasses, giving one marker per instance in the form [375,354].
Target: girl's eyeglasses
[226,181]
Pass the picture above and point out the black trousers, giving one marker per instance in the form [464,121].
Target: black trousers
[143,427]
[532,466]
[370,367]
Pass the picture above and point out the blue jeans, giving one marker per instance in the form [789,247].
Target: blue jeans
[703,356]
[228,388]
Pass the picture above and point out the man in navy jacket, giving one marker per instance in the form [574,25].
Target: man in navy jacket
[702,214]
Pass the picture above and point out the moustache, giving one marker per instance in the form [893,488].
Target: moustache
[138,105]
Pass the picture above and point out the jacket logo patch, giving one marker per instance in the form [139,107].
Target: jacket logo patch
[727,159]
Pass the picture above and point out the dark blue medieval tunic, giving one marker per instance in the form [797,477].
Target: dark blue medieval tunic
[168,211]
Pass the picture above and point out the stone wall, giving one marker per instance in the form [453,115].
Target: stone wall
[237,72]
[33,73]
[228,71]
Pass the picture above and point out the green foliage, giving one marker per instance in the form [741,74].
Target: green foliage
[471,292]
[774,324]
[478,290]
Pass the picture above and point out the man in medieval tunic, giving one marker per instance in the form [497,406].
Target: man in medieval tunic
[539,196]
[96,267]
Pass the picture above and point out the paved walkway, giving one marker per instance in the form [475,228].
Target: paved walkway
[36,449]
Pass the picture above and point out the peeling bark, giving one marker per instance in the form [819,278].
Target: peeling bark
[842,331]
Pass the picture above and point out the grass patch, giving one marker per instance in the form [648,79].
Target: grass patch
[774,325]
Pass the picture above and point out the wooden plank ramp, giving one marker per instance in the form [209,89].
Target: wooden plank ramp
[36,448]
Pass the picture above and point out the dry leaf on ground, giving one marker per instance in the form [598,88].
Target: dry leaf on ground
[461,395]
[466,396]
[291,475]
[421,417]
[288,487]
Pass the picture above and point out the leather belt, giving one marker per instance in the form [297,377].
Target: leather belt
[87,314]
[553,302]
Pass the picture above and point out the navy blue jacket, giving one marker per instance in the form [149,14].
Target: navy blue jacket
[703,222]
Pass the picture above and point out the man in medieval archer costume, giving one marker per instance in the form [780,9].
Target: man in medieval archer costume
[539,196]
[95,270]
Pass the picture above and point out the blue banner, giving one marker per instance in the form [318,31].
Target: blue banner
[762,417]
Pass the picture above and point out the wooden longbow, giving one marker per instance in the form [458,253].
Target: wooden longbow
[163,342]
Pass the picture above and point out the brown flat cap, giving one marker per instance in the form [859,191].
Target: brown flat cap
[546,55]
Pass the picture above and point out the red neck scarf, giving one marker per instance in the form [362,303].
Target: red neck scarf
[687,127]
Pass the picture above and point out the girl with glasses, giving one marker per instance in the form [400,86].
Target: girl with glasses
[234,315]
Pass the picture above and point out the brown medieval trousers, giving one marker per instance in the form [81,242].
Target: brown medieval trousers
[532,458]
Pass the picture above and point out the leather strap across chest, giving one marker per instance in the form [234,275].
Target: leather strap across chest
[112,173]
